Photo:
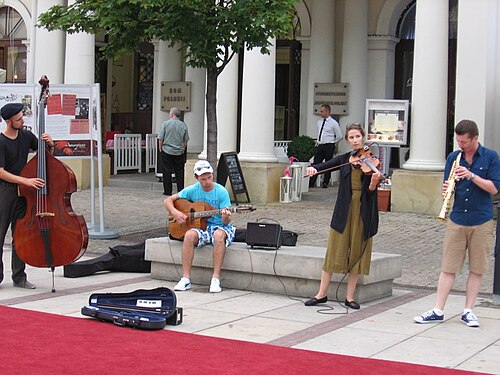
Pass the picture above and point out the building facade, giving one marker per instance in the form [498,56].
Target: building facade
[439,54]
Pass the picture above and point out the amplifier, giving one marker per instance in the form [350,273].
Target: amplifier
[264,235]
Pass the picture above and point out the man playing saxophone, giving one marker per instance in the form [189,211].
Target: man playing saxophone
[470,228]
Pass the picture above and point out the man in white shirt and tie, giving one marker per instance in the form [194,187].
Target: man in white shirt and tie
[329,134]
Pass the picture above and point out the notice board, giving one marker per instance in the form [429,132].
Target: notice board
[229,167]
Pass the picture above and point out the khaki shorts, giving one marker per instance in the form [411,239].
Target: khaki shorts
[459,239]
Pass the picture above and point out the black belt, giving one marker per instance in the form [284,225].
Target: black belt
[5,183]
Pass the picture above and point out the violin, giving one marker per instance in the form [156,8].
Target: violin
[364,159]
[361,158]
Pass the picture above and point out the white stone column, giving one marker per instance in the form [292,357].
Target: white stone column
[79,67]
[48,47]
[354,60]
[195,119]
[227,107]
[257,117]
[381,64]
[476,61]
[167,67]
[494,138]
[321,65]
[430,87]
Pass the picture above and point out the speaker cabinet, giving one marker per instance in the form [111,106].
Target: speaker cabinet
[264,235]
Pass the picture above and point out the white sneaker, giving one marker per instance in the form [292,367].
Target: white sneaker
[183,284]
[215,286]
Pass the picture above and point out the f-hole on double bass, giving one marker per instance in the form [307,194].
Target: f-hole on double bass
[50,234]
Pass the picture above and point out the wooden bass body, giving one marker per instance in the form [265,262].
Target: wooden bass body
[50,234]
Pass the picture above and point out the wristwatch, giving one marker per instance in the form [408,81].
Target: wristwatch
[472,176]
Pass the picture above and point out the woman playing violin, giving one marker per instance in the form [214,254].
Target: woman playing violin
[354,220]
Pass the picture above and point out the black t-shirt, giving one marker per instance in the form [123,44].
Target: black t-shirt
[14,152]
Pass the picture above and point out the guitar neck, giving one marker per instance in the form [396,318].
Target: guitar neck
[210,213]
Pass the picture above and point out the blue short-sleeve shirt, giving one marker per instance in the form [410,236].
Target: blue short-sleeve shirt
[473,205]
[218,198]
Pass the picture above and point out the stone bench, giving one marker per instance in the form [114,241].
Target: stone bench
[296,269]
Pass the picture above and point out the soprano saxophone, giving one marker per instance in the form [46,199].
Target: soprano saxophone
[448,194]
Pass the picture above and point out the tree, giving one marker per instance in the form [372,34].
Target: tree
[210,32]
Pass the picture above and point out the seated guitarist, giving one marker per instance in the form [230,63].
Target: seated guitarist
[219,232]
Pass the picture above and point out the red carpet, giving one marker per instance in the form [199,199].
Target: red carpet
[39,343]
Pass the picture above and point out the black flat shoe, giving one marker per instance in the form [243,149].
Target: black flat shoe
[315,301]
[352,305]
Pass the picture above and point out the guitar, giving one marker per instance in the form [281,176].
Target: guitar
[197,216]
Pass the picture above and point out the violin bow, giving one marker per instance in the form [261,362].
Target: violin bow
[365,160]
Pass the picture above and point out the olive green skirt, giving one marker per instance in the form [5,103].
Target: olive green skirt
[348,252]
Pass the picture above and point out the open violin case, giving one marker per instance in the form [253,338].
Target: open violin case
[143,308]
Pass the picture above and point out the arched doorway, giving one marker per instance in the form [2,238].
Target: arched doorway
[13,52]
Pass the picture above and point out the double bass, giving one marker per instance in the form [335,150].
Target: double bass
[49,234]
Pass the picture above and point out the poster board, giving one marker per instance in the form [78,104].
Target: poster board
[71,120]
[20,93]
[229,167]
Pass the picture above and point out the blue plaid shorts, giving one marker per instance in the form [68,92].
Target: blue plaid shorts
[206,237]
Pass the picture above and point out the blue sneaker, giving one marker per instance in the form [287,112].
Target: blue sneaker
[470,319]
[429,317]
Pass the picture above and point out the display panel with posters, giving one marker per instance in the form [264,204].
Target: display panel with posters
[386,121]
[73,121]
[70,120]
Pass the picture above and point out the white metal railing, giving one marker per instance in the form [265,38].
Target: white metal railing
[127,152]
[280,148]
[151,151]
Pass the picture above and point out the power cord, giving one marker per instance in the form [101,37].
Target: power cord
[172,256]
[277,239]
[321,311]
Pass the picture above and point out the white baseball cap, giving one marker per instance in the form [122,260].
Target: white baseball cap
[201,167]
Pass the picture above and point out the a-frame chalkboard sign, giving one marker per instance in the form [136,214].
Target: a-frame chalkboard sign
[229,166]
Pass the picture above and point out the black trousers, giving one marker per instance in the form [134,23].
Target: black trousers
[324,152]
[11,207]
[175,164]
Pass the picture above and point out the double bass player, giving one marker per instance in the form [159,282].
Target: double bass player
[15,145]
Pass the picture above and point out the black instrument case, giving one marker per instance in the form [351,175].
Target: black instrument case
[143,308]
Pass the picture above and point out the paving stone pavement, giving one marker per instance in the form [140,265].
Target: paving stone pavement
[138,213]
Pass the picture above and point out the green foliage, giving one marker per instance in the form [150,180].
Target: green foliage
[210,32]
[302,148]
